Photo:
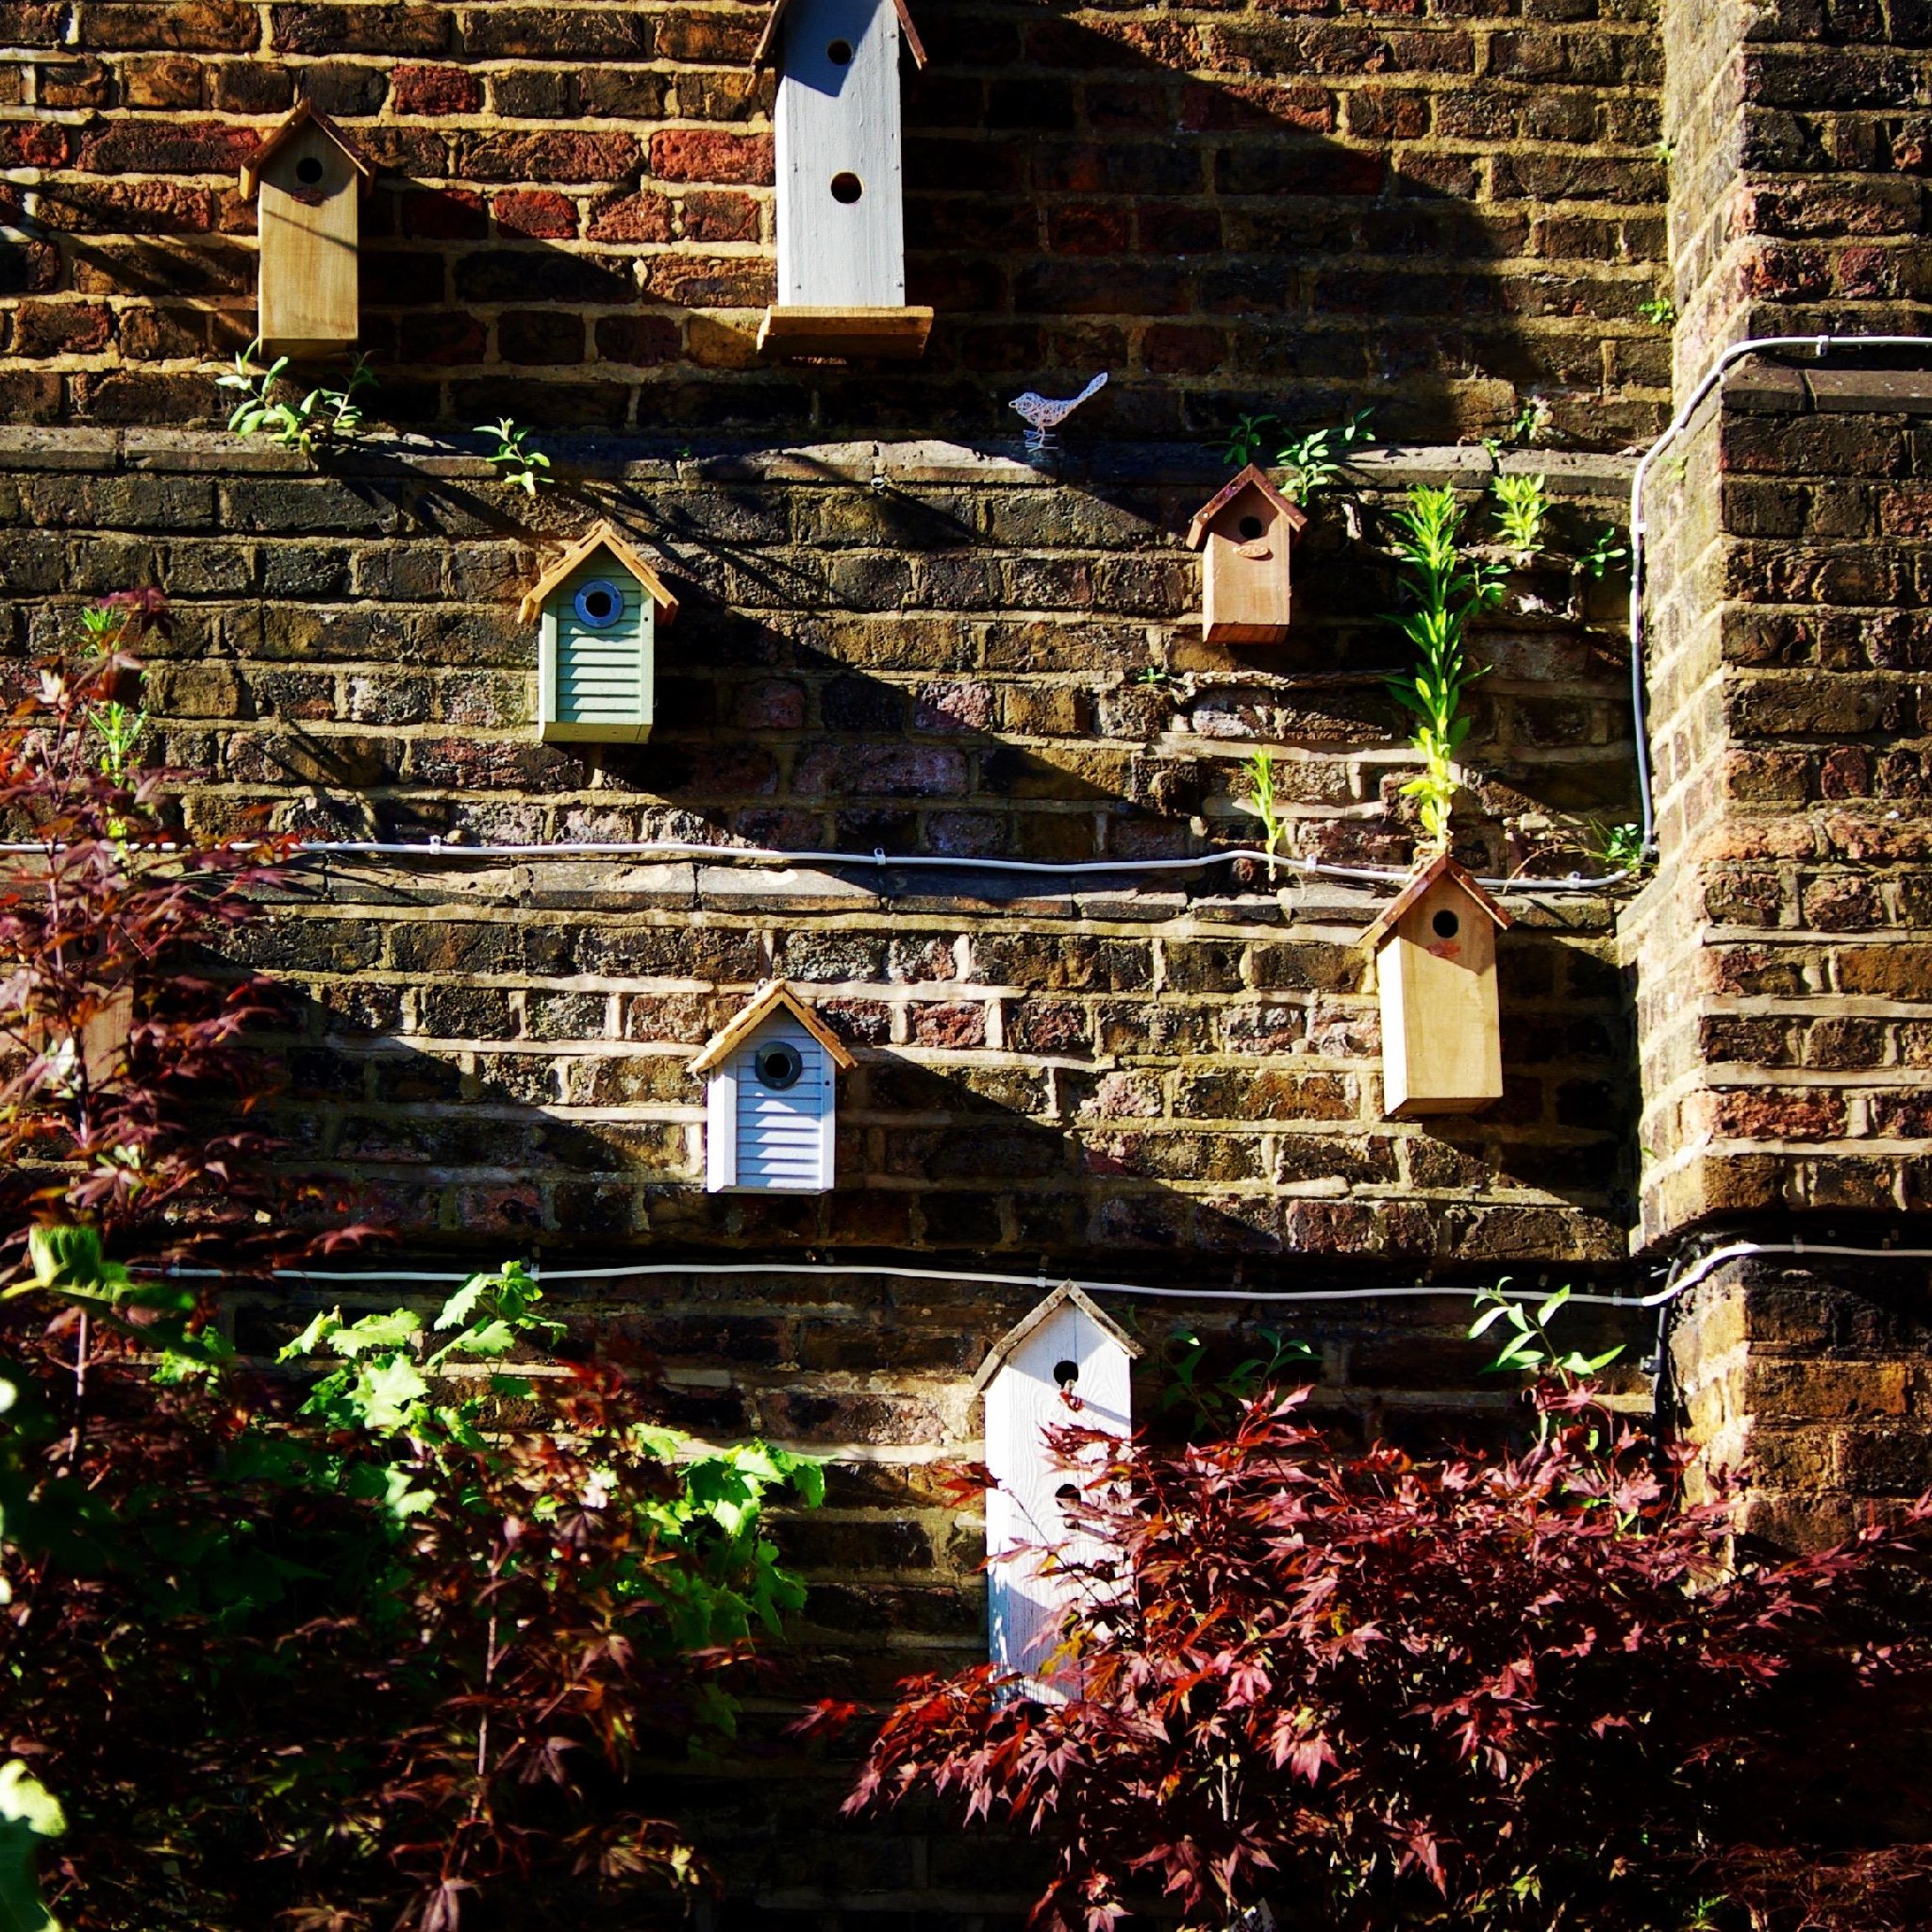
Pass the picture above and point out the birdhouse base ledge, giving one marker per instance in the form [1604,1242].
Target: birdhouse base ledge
[796,331]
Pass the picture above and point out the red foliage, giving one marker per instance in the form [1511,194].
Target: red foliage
[127,1084]
[1521,1691]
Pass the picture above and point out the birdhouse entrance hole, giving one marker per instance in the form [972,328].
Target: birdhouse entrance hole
[1251,528]
[1445,924]
[846,189]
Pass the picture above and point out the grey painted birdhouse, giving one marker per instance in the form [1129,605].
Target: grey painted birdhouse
[1067,1365]
[841,226]
[1246,536]
[1436,965]
[771,1097]
[598,606]
[307,181]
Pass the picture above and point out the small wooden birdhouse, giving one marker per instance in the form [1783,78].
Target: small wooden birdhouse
[307,181]
[1245,535]
[1436,964]
[599,605]
[842,227]
[771,1098]
[1067,1365]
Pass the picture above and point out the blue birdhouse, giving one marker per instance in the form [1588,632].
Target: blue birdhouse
[599,606]
[771,1098]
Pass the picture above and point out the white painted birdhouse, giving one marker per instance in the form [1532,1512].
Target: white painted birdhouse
[308,182]
[841,225]
[1436,965]
[1066,1365]
[771,1098]
[599,606]
[1245,535]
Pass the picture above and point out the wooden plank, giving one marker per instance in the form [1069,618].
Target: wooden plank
[842,236]
[308,290]
[1442,1046]
[844,332]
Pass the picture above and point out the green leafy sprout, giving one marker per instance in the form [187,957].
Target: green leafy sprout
[1215,1402]
[322,418]
[1314,461]
[1619,848]
[1605,552]
[1522,507]
[1528,1348]
[1659,310]
[1260,802]
[517,462]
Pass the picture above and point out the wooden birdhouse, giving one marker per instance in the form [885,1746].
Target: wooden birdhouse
[1067,1365]
[842,227]
[771,1098]
[308,182]
[599,606]
[1245,535]
[1436,964]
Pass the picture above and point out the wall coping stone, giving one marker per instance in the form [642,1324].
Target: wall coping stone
[1760,386]
[642,459]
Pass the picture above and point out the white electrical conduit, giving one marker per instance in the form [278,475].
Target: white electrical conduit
[1045,1279]
[1822,345]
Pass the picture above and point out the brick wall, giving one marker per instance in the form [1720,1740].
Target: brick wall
[1443,206]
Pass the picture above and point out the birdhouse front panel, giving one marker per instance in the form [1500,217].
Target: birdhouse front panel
[842,241]
[1441,1045]
[309,219]
[770,1114]
[1245,573]
[1071,1370]
[596,651]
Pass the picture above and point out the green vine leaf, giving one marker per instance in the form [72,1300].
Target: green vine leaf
[29,1816]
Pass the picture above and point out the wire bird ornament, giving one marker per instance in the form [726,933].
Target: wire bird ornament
[1043,416]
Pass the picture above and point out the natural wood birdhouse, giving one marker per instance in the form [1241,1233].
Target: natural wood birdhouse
[599,605]
[307,181]
[1246,534]
[1436,964]
[842,228]
[771,1098]
[1067,1365]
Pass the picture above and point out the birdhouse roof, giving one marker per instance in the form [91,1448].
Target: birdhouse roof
[605,537]
[773,997]
[1442,867]
[1249,478]
[768,41]
[305,113]
[1009,1345]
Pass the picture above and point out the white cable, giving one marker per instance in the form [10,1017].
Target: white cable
[1822,345]
[1041,1279]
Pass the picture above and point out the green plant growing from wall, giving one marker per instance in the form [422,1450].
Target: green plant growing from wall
[1606,551]
[1618,848]
[517,462]
[1249,438]
[1260,802]
[1659,310]
[1522,507]
[323,417]
[1313,461]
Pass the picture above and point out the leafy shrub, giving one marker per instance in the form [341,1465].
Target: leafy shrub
[1519,1691]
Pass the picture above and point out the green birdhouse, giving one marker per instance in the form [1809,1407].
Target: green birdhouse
[598,606]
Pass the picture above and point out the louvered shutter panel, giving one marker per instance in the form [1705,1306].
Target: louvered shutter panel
[597,681]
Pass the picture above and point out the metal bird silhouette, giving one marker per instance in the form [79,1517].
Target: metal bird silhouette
[1042,415]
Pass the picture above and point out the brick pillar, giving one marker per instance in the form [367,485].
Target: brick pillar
[1783,954]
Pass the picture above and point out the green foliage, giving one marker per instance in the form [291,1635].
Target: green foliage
[1660,309]
[434,1605]
[1213,1403]
[1530,1351]
[1530,424]
[1249,439]
[1315,460]
[320,418]
[517,462]
[1259,802]
[1605,552]
[1619,848]
[1522,506]
[29,1816]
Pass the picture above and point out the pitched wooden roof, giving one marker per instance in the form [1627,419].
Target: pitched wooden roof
[608,537]
[1441,867]
[776,996]
[304,113]
[1008,1344]
[1249,478]
[768,41]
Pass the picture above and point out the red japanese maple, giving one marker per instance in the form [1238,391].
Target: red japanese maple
[1521,1691]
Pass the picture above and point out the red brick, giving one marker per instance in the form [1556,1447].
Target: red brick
[553,156]
[717,215]
[220,26]
[692,154]
[34,145]
[453,214]
[61,328]
[528,211]
[168,147]
[641,217]
[435,91]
